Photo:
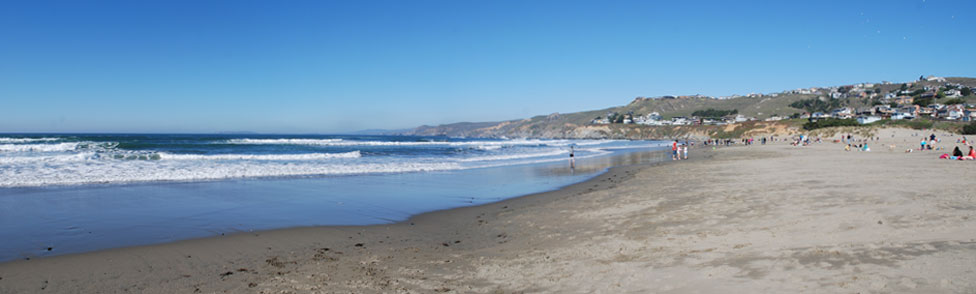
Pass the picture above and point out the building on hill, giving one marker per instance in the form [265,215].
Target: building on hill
[680,121]
[901,115]
[953,93]
[867,119]
[904,100]
[844,112]
[866,111]
[654,115]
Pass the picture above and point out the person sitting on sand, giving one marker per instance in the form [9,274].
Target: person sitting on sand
[956,152]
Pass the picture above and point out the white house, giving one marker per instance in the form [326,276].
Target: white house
[680,121]
[867,119]
[901,115]
[953,93]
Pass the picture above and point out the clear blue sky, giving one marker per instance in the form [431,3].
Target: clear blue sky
[334,66]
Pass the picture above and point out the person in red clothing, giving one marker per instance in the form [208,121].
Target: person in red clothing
[674,150]
[972,154]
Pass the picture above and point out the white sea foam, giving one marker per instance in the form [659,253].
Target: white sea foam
[38,147]
[26,140]
[70,163]
[106,171]
[284,141]
[309,156]
[489,147]
[476,144]
[83,156]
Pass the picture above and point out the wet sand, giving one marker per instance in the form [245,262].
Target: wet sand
[762,218]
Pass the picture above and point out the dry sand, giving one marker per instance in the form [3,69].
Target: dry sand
[772,218]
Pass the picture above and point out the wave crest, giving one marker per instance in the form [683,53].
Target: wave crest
[308,156]
[26,140]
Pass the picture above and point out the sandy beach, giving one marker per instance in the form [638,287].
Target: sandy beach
[763,218]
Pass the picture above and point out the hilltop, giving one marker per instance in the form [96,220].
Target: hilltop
[775,112]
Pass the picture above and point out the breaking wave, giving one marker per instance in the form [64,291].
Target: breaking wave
[26,140]
[96,159]
[310,156]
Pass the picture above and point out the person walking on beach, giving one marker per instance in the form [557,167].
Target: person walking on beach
[674,150]
[684,149]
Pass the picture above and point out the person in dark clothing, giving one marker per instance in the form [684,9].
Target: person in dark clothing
[956,152]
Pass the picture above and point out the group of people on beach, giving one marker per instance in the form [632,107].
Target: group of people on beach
[957,154]
[804,140]
[929,144]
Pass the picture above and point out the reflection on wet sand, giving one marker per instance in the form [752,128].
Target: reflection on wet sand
[599,164]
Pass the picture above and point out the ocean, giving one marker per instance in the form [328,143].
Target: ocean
[81,192]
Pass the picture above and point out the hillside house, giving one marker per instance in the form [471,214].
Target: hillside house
[680,121]
[844,112]
[904,100]
[901,115]
[866,111]
[884,110]
[867,119]
[968,115]
[954,93]
[925,111]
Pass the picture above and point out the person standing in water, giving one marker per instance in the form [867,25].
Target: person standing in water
[572,157]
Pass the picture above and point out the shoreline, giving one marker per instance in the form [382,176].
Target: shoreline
[763,218]
[308,202]
[259,242]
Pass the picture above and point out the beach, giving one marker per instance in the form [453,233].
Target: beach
[759,218]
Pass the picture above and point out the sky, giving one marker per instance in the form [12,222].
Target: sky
[340,66]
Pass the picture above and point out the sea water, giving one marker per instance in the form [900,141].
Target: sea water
[75,193]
